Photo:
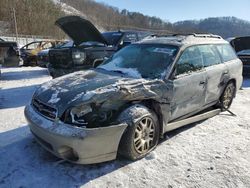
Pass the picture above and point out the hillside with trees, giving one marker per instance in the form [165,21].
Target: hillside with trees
[37,17]
[34,17]
[224,26]
[109,17]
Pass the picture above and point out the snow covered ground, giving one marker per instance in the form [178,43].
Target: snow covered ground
[213,153]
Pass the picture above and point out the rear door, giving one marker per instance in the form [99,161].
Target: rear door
[216,72]
[189,83]
[233,64]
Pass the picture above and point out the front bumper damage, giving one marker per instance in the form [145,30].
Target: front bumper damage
[77,145]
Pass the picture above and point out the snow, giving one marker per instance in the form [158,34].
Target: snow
[211,153]
[113,65]
[54,99]
[89,94]
[69,10]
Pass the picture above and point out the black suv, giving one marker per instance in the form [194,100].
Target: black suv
[89,48]
[242,48]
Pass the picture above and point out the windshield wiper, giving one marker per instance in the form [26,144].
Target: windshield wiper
[118,71]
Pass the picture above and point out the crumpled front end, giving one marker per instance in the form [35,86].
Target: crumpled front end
[75,144]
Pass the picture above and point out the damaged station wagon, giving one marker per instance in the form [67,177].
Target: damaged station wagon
[127,103]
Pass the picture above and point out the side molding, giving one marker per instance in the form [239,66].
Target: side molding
[199,117]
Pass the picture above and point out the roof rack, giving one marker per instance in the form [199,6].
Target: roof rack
[201,35]
[207,36]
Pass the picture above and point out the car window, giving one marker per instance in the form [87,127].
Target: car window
[190,60]
[47,45]
[226,52]
[67,44]
[112,37]
[32,46]
[142,60]
[130,37]
[210,55]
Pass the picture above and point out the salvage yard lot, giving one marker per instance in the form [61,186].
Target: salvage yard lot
[212,153]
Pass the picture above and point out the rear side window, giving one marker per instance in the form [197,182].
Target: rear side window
[190,60]
[210,55]
[227,52]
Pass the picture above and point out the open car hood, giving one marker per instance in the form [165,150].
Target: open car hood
[240,43]
[80,30]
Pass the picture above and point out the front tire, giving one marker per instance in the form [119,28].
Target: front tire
[142,133]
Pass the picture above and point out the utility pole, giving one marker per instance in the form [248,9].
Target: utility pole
[15,22]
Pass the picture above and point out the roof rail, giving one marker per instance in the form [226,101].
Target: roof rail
[207,35]
[194,35]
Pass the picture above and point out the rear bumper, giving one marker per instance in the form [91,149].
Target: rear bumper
[77,145]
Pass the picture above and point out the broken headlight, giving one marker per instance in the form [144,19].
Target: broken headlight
[78,57]
[76,115]
[87,116]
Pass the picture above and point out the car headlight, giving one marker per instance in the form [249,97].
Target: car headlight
[78,57]
[77,114]
[87,116]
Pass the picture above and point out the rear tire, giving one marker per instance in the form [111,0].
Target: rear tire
[227,96]
[142,133]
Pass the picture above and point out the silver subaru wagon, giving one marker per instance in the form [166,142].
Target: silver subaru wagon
[126,104]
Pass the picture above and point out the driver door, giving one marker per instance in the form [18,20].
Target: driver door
[189,83]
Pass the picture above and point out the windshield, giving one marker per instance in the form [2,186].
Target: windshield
[91,43]
[60,44]
[142,60]
[66,44]
[112,37]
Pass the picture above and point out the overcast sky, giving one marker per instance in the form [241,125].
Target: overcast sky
[177,10]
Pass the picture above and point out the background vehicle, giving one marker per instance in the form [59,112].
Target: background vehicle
[127,103]
[43,55]
[90,46]
[29,51]
[242,48]
[9,53]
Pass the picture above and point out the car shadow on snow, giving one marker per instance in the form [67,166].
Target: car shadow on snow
[16,97]
[25,74]
[25,164]
[173,133]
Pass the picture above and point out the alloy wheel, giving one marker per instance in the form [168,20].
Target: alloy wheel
[144,135]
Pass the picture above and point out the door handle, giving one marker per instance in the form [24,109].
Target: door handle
[202,82]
